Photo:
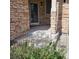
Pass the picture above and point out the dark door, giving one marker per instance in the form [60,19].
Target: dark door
[34,13]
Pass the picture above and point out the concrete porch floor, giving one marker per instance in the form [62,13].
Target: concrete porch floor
[41,36]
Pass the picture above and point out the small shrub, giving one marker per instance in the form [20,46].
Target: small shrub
[30,52]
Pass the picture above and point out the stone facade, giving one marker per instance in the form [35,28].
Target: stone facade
[19,17]
[60,17]
[65,18]
[53,16]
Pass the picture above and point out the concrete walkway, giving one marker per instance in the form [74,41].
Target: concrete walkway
[41,36]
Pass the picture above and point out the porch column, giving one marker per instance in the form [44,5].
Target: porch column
[53,16]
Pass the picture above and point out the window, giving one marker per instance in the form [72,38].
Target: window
[48,6]
[66,1]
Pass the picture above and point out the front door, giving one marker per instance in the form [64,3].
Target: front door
[34,14]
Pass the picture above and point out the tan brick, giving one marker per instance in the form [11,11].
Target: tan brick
[19,17]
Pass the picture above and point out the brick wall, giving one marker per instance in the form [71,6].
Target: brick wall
[59,16]
[53,18]
[65,18]
[53,22]
[19,17]
[60,21]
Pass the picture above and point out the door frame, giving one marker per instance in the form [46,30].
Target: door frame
[37,23]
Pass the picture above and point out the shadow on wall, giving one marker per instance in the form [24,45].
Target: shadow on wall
[59,21]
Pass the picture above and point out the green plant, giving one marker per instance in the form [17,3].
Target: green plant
[30,52]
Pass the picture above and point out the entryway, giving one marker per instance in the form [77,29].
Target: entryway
[40,12]
[34,14]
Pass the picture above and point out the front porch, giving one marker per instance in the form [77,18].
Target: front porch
[39,12]
[41,36]
[39,22]
[49,18]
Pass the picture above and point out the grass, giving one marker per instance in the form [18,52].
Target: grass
[30,52]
